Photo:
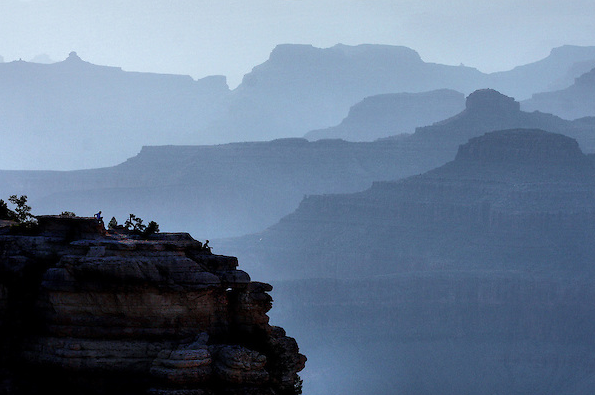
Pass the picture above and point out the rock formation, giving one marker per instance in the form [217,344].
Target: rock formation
[510,199]
[487,110]
[556,71]
[252,185]
[574,102]
[86,311]
[233,189]
[77,115]
[392,114]
[476,277]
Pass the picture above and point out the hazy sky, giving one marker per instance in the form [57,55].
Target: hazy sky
[229,37]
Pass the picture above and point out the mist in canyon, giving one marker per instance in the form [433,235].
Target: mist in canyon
[426,224]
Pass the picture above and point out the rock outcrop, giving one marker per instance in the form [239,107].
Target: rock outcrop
[86,311]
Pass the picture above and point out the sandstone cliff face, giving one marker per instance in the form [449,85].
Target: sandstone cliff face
[106,313]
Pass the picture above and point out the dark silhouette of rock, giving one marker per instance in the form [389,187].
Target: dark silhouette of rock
[392,114]
[83,311]
[576,101]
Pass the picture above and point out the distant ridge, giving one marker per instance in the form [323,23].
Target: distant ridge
[393,113]
[498,206]
[73,114]
[576,101]
[488,110]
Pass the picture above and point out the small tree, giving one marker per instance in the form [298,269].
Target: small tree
[22,210]
[152,228]
[68,214]
[113,224]
[135,224]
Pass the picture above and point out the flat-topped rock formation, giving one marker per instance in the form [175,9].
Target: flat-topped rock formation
[488,110]
[471,278]
[498,205]
[83,310]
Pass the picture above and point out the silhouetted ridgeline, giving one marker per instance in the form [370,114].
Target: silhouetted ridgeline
[574,102]
[235,189]
[488,110]
[72,114]
[392,114]
[518,199]
[302,88]
[216,191]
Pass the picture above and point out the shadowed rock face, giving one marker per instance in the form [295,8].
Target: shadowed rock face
[511,199]
[473,278]
[106,313]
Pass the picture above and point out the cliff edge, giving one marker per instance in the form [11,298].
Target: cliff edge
[87,311]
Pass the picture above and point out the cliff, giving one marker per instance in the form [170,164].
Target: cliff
[510,199]
[472,278]
[86,311]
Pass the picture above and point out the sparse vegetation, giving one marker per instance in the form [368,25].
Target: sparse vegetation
[23,210]
[68,214]
[135,225]
[21,214]
[152,228]
[113,224]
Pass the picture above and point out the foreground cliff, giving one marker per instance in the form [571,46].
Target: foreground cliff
[84,311]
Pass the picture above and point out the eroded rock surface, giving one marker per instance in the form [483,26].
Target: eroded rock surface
[108,313]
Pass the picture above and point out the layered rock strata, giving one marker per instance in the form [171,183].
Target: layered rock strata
[99,312]
[517,199]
